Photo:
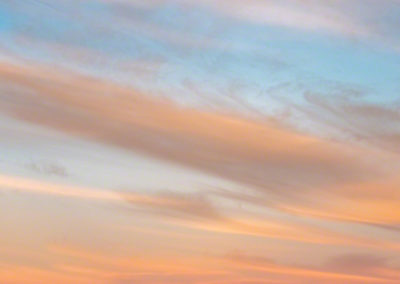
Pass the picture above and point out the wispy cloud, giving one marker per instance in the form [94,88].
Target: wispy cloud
[187,141]
[264,144]
[372,123]
[46,188]
[48,168]
[267,266]
[258,153]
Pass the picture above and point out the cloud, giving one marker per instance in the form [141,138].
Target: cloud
[355,20]
[108,268]
[306,15]
[294,196]
[237,256]
[357,263]
[48,168]
[257,265]
[234,266]
[194,211]
[261,153]
[352,19]
[47,188]
[290,169]
[377,124]
[179,205]
[166,203]
[31,275]
[200,211]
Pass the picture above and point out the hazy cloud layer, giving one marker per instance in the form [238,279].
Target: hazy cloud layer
[206,142]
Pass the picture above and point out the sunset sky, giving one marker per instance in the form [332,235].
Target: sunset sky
[199,141]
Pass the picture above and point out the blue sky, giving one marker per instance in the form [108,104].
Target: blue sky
[176,49]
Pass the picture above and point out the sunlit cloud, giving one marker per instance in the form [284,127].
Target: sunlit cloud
[187,141]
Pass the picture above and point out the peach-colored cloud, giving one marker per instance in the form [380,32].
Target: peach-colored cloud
[290,169]
[47,188]
[234,267]
[260,153]
[192,211]
[300,274]
[29,275]
[281,169]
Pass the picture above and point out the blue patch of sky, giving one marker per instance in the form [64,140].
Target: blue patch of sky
[5,20]
[245,59]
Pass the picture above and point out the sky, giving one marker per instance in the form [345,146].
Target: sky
[199,141]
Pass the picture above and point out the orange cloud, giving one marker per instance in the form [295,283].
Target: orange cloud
[295,172]
[281,169]
[260,153]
